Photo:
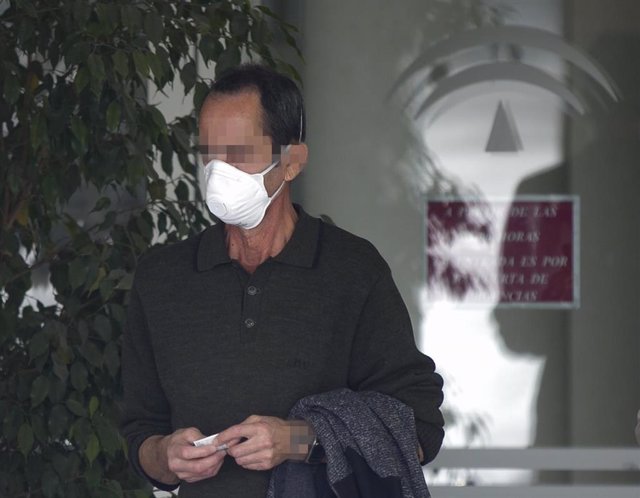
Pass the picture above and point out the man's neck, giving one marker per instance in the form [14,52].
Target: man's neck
[253,247]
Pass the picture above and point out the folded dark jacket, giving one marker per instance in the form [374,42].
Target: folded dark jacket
[370,443]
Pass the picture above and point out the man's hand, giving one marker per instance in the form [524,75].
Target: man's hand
[270,441]
[172,458]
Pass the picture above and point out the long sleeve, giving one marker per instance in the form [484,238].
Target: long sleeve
[385,358]
[146,410]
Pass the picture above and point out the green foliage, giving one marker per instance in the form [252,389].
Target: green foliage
[75,122]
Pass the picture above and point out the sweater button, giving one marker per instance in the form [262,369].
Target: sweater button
[252,290]
[249,322]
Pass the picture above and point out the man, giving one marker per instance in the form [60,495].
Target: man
[228,329]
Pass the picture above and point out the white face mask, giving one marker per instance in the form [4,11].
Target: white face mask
[236,197]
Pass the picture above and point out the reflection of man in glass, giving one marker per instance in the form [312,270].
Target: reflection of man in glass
[228,329]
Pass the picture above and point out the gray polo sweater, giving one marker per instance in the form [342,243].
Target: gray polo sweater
[207,344]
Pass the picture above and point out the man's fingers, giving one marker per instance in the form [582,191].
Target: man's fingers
[196,467]
[255,458]
[233,442]
[263,460]
[203,475]
[186,451]
[230,444]
[250,447]
[188,435]
[246,430]
[252,418]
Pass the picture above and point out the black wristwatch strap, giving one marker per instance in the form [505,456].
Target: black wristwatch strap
[316,452]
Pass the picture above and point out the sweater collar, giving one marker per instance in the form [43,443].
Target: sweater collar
[300,250]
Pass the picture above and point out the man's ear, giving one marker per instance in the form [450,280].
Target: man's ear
[295,160]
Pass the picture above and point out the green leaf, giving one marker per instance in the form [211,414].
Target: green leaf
[113,116]
[93,448]
[291,41]
[76,408]
[158,189]
[140,61]
[158,119]
[112,489]
[50,483]
[91,353]
[239,25]
[38,345]
[201,21]
[80,431]
[39,390]
[82,79]
[79,376]
[182,191]
[156,66]
[109,437]
[260,33]
[94,403]
[108,15]
[101,203]
[77,273]
[66,464]
[12,422]
[131,18]
[13,181]
[117,312]
[77,53]
[121,63]
[176,218]
[126,282]
[39,133]
[60,370]
[81,12]
[57,389]
[167,69]
[201,92]
[39,430]
[58,421]
[106,289]
[144,222]
[188,76]
[228,59]
[80,134]
[108,222]
[101,272]
[50,189]
[102,325]
[153,26]
[267,11]
[162,222]
[83,330]
[25,439]
[11,88]
[96,67]
[182,138]
[112,358]
[210,48]
[33,469]
[140,244]
[93,476]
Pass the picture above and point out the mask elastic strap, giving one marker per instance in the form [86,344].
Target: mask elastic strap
[300,136]
[271,166]
[277,191]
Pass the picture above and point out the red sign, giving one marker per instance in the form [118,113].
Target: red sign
[520,252]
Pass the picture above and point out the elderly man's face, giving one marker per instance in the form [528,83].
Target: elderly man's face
[230,130]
